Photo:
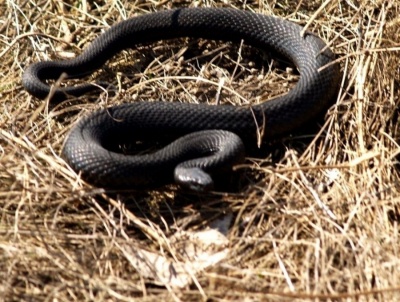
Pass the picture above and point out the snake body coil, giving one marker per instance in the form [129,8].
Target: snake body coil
[210,142]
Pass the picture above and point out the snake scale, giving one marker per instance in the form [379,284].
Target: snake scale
[210,140]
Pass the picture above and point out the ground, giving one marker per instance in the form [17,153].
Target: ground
[315,218]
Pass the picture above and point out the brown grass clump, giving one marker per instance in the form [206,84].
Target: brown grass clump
[315,219]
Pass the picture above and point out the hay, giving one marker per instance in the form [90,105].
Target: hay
[315,219]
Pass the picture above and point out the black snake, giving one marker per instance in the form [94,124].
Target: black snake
[209,137]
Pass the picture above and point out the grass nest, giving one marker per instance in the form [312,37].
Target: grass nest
[314,218]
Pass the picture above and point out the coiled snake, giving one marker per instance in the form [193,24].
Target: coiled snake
[209,137]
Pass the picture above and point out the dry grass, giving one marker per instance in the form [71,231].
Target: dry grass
[317,219]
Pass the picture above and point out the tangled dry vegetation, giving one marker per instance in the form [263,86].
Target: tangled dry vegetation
[315,219]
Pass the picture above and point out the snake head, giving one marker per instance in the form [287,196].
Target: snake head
[194,179]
